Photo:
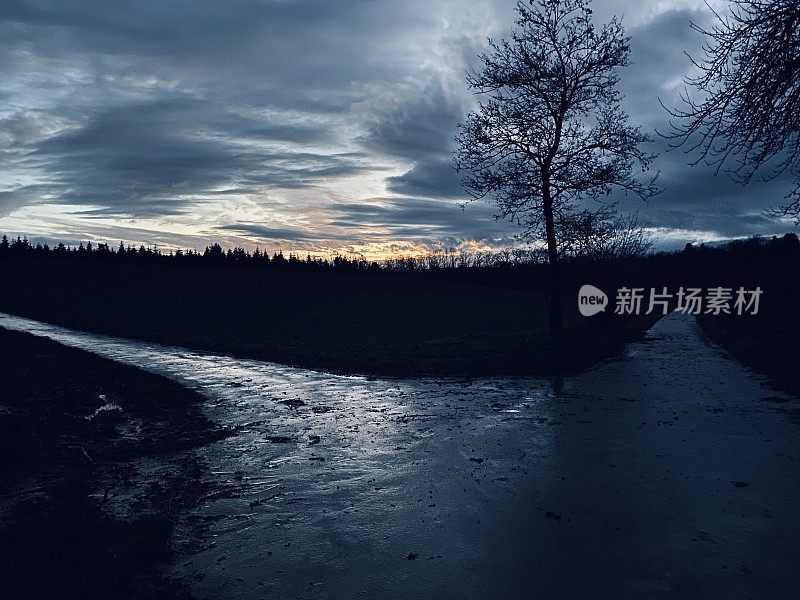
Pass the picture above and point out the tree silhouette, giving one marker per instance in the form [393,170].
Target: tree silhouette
[748,116]
[602,235]
[548,131]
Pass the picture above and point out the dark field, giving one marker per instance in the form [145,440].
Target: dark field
[768,343]
[59,538]
[354,323]
[445,322]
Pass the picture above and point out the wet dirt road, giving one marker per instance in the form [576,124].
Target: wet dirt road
[669,473]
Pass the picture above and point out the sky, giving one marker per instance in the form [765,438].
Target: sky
[319,127]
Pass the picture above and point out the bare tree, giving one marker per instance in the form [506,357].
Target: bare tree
[748,114]
[548,130]
[602,234]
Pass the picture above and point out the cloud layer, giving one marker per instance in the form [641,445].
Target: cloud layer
[296,124]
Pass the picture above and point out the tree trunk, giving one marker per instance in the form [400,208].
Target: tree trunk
[554,305]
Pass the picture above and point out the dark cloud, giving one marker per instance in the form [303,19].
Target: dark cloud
[420,218]
[12,200]
[693,197]
[424,221]
[659,63]
[162,110]
[434,178]
[161,103]
[263,232]
[420,129]
[131,157]
[150,158]
[269,45]
[419,125]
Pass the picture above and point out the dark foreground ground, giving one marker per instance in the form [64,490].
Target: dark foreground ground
[668,473]
[768,343]
[58,459]
[441,322]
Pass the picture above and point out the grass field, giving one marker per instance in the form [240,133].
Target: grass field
[452,323]
[371,324]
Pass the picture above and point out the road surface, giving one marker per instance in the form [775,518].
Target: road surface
[671,472]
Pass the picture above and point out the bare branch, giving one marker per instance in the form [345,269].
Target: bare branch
[747,117]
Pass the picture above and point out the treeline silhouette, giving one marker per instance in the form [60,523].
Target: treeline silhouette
[215,255]
[756,261]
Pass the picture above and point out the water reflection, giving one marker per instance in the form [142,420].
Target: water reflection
[319,460]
